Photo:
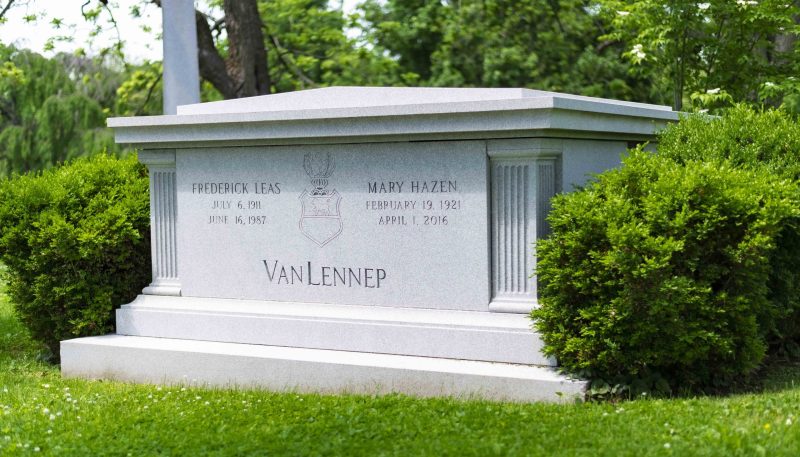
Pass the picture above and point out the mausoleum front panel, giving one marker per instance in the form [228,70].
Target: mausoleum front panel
[387,224]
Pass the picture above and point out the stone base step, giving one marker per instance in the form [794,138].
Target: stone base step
[205,363]
[449,334]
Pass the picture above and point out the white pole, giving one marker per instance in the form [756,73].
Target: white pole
[181,71]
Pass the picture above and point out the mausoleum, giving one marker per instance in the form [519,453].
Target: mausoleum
[356,239]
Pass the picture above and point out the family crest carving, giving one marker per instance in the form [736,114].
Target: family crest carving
[320,219]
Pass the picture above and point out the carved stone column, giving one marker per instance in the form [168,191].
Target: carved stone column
[524,177]
[163,222]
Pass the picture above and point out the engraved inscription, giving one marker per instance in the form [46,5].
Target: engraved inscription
[308,274]
[237,188]
[236,212]
[340,224]
[414,187]
[423,213]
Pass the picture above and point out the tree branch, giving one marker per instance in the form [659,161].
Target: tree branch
[6,8]
[291,67]
[217,25]
[212,67]
[149,94]
[605,45]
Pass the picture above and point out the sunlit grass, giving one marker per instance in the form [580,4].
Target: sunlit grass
[41,414]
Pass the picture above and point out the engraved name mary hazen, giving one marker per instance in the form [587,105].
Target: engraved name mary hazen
[429,210]
[415,187]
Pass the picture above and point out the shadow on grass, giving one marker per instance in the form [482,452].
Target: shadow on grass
[777,375]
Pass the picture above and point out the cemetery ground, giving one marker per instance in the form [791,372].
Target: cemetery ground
[42,414]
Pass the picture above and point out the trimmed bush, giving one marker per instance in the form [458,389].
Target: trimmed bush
[75,240]
[743,137]
[659,269]
[750,139]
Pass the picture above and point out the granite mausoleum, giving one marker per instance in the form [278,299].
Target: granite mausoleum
[356,239]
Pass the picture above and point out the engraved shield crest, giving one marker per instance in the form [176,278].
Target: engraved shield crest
[320,220]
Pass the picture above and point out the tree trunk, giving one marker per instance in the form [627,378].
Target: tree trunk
[247,63]
[212,67]
[244,73]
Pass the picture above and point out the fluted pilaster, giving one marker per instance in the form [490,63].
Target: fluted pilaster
[522,184]
[163,222]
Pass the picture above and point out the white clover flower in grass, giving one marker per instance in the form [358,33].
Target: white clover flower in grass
[703,6]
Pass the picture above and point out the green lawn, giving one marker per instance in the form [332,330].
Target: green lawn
[41,414]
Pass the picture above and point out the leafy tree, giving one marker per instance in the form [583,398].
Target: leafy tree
[713,52]
[542,44]
[288,45]
[49,111]
[141,93]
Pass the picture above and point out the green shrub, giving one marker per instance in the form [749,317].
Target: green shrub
[75,240]
[743,137]
[660,269]
[750,139]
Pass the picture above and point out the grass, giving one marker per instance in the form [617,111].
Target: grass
[41,414]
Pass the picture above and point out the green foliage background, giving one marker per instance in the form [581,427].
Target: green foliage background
[539,44]
[694,56]
[50,111]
